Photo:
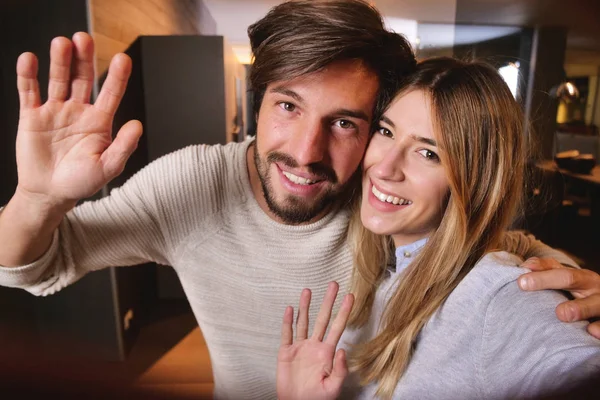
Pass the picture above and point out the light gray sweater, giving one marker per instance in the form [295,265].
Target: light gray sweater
[489,340]
[194,210]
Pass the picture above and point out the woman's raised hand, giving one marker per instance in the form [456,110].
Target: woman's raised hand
[310,368]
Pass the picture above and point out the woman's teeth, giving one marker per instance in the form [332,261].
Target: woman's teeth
[297,179]
[389,199]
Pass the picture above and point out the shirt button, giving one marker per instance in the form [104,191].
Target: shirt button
[407,254]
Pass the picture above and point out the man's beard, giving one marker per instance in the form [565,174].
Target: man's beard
[295,210]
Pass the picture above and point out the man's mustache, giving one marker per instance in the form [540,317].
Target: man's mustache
[321,170]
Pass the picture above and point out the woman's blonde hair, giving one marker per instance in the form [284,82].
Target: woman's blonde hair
[479,129]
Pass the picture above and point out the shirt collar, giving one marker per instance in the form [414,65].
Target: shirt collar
[407,253]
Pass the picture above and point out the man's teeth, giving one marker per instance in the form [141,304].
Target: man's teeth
[389,199]
[298,179]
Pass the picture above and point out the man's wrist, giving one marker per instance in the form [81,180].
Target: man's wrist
[38,211]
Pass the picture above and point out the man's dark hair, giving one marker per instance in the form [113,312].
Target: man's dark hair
[301,37]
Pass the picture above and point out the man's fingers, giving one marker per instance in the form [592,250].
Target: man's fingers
[594,329]
[27,83]
[325,312]
[83,67]
[579,309]
[286,327]
[61,52]
[541,264]
[115,84]
[302,319]
[580,282]
[340,321]
[117,154]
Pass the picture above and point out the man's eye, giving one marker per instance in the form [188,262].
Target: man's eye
[385,132]
[430,155]
[345,124]
[287,106]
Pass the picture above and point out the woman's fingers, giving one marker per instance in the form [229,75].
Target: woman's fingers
[302,319]
[286,328]
[322,321]
[340,321]
[61,52]
[83,67]
[340,369]
[27,83]
[325,312]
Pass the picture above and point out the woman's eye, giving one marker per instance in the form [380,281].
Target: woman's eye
[385,132]
[287,106]
[345,124]
[430,155]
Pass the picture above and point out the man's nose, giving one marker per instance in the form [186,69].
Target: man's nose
[310,144]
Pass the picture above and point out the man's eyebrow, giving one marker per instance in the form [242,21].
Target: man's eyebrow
[343,111]
[353,113]
[287,92]
[425,140]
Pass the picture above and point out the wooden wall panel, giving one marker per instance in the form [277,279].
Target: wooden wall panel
[233,71]
[116,24]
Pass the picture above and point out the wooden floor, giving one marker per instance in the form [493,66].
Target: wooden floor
[170,358]
[183,372]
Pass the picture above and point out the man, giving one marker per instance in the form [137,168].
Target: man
[246,226]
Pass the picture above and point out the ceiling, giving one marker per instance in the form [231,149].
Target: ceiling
[580,17]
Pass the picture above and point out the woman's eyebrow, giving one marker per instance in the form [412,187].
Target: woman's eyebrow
[425,140]
[387,121]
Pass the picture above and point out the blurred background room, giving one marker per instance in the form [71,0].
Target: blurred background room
[132,327]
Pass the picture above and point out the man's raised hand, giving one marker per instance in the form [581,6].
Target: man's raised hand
[65,150]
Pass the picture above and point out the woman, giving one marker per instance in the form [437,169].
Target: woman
[442,179]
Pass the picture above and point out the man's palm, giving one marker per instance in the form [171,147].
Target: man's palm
[65,150]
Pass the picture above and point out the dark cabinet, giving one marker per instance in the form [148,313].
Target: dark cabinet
[185,90]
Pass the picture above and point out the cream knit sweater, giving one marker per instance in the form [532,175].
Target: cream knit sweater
[194,210]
